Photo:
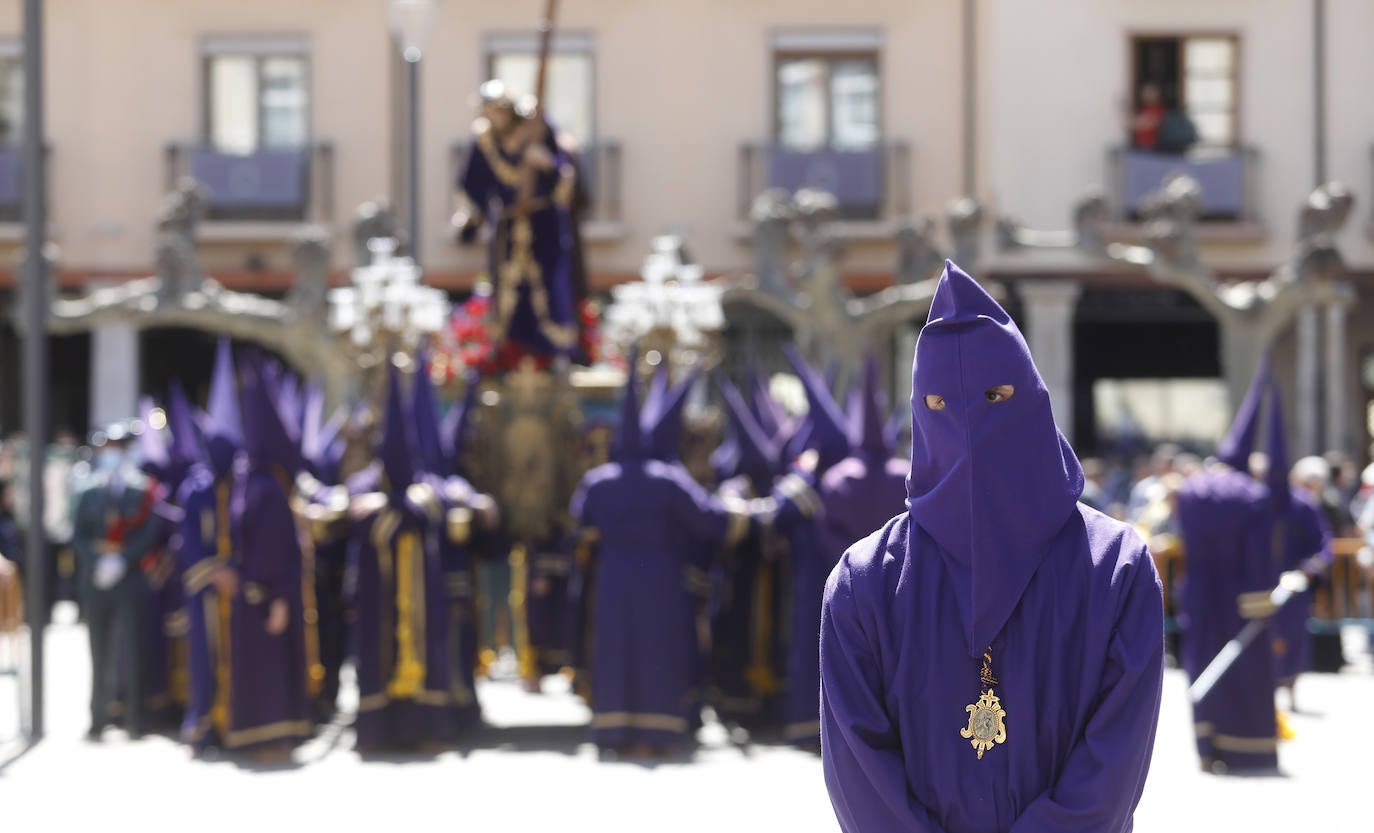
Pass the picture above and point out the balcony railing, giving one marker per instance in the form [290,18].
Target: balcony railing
[599,175]
[1229,181]
[269,185]
[12,182]
[871,184]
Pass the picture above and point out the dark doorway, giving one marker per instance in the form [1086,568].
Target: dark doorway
[168,353]
[1136,334]
[69,381]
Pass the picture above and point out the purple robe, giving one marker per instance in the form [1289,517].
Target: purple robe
[1307,540]
[269,703]
[1227,525]
[202,547]
[855,497]
[641,652]
[456,563]
[747,626]
[401,610]
[531,255]
[995,590]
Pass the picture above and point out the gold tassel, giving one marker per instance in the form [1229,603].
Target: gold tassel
[409,674]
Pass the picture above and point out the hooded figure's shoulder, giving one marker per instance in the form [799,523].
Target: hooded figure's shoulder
[1117,556]
[867,573]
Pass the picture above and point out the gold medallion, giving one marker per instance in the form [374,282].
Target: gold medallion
[985,723]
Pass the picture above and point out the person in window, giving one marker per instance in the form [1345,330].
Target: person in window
[1176,134]
[992,658]
[1146,118]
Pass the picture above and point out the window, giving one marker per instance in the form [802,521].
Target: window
[1198,74]
[827,101]
[257,95]
[570,79]
[11,95]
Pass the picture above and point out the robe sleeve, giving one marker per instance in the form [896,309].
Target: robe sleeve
[861,752]
[477,179]
[703,516]
[1104,775]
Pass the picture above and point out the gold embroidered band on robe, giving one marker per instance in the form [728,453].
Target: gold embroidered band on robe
[408,673]
[760,676]
[219,615]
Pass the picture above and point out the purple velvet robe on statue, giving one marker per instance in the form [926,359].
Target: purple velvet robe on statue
[641,652]
[531,255]
[994,554]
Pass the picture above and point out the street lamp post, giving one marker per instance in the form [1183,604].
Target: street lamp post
[35,295]
[411,21]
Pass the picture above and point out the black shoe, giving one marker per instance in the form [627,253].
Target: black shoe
[95,733]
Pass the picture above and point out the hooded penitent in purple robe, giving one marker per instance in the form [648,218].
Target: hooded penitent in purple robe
[400,606]
[1227,520]
[529,221]
[642,510]
[992,658]
[855,496]
[747,638]
[321,503]
[205,546]
[162,621]
[661,429]
[807,559]
[438,462]
[269,703]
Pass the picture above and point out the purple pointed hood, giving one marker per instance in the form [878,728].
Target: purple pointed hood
[322,445]
[453,431]
[869,435]
[629,445]
[991,482]
[154,452]
[663,427]
[397,448]
[425,411]
[1235,448]
[267,439]
[187,449]
[222,426]
[825,423]
[758,457]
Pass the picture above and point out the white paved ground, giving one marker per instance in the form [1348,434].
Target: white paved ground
[532,771]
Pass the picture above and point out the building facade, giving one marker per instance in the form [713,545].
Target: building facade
[292,113]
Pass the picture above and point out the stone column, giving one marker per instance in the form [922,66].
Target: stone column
[1309,366]
[114,373]
[1049,307]
[1335,378]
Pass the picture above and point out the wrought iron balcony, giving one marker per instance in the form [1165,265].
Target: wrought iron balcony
[599,177]
[274,185]
[1229,180]
[871,184]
